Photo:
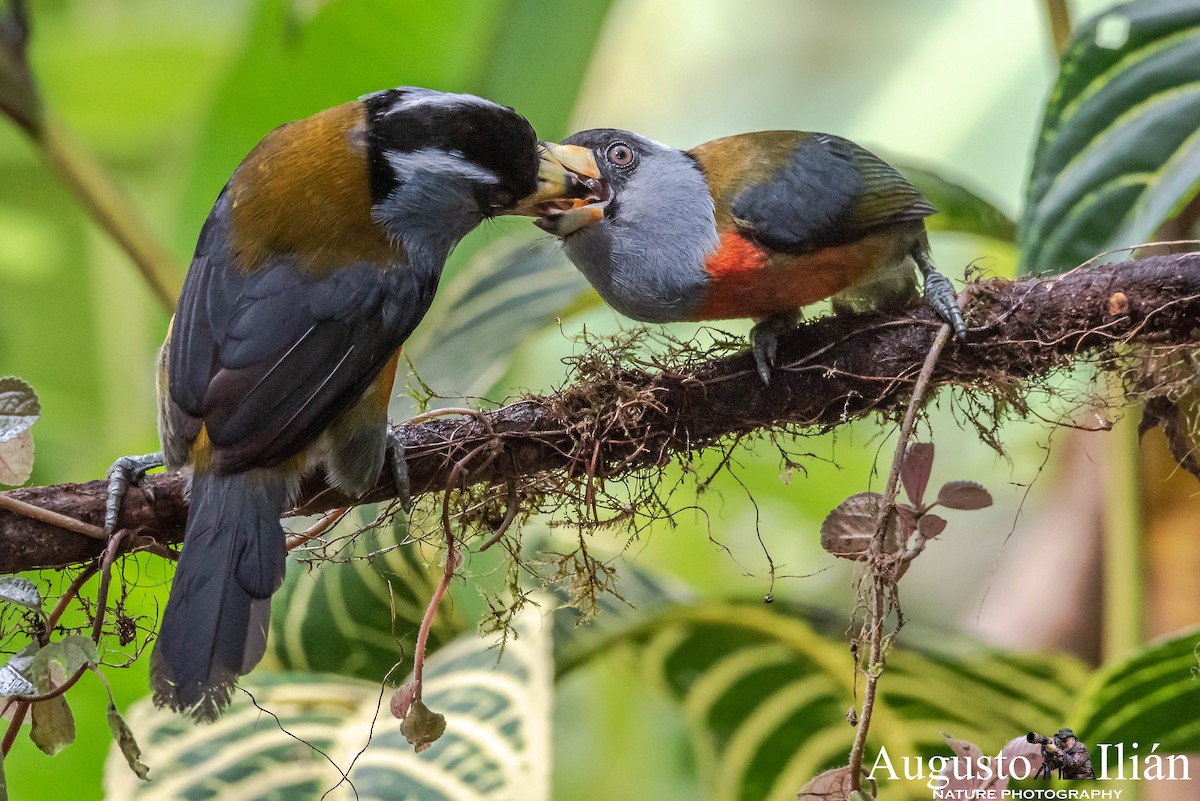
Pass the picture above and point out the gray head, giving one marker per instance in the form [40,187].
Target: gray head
[642,243]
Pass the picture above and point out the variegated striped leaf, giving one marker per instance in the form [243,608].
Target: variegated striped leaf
[767,698]
[1150,697]
[358,614]
[1119,152]
[496,746]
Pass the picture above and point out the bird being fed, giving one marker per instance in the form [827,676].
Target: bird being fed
[319,258]
[756,225]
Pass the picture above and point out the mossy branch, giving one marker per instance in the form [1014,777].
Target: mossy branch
[624,418]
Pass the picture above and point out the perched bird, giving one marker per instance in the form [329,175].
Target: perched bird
[319,258]
[756,225]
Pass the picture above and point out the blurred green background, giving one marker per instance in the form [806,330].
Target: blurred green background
[171,96]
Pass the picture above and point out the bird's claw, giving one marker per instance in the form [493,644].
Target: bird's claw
[764,340]
[399,467]
[939,293]
[125,472]
[764,344]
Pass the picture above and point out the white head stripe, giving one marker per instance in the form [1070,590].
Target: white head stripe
[415,97]
[431,159]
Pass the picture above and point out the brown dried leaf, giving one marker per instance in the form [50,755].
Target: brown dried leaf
[16,459]
[930,526]
[963,495]
[832,785]
[847,530]
[918,462]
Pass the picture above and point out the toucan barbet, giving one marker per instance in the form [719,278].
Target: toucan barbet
[756,226]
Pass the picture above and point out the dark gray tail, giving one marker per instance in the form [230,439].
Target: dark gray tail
[214,628]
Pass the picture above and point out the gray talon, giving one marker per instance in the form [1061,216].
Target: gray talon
[765,343]
[939,293]
[764,340]
[127,471]
[396,460]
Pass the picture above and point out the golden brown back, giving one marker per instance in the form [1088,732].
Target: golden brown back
[304,191]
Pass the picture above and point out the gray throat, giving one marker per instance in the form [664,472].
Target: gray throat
[647,259]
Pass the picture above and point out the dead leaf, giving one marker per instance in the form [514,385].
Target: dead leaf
[848,530]
[963,495]
[914,475]
[929,526]
[16,459]
[832,785]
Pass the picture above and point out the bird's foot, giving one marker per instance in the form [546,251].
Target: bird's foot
[126,472]
[764,340]
[399,467]
[939,293]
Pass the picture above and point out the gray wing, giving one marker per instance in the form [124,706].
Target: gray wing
[830,192]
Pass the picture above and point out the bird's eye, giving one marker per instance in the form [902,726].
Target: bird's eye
[619,154]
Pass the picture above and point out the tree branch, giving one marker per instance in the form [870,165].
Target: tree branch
[624,419]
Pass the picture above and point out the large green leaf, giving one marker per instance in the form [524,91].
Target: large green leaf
[959,209]
[1119,152]
[358,614]
[767,698]
[1150,697]
[496,746]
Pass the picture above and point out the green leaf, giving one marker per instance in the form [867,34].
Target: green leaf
[70,653]
[1149,697]
[767,696]
[358,616]
[504,297]
[496,745]
[53,727]
[21,592]
[1119,151]
[959,209]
